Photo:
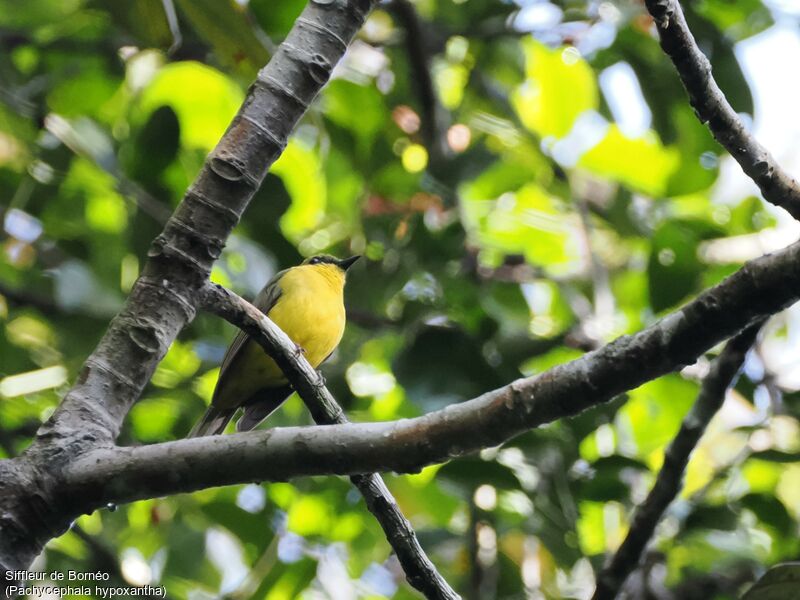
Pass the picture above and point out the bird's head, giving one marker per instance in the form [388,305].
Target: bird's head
[330,265]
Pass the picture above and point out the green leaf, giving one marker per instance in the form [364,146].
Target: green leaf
[529,221]
[276,21]
[674,268]
[36,12]
[225,25]
[250,528]
[559,86]
[749,216]
[469,473]
[643,163]
[434,350]
[287,582]
[300,169]
[606,484]
[85,92]
[604,487]
[776,456]
[617,462]
[156,145]
[153,418]
[310,515]
[724,64]
[711,517]
[736,20]
[591,528]
[338,100]
[462,17]
[698,153]
[180,363]
[204,100]
[656,409]
[145,19]
[502,176]
[781,582]
[769,510]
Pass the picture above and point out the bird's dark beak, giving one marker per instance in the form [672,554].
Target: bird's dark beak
[345,263]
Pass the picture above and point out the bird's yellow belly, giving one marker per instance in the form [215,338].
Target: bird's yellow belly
[316,329]
[314,323]
[311,312]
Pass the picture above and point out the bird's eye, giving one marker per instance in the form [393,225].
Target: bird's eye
[314,261]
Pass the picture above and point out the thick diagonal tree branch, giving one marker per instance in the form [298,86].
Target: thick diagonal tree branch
[668,482]
[180,258]
[32,509]
[694,69]
[761,288]
[419,570]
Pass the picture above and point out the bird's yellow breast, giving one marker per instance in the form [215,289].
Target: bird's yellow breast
[310,310]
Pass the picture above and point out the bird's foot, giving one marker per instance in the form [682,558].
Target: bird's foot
[321,381]
[299,350]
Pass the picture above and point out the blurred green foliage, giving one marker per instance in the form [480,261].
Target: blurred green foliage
[549,224]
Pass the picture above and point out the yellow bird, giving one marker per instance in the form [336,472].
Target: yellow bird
[307,303]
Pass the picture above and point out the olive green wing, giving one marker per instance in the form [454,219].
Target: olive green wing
[261,405]
[216,418]
[264,301]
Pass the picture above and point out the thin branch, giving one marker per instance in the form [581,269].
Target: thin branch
[694,69]
[603,304]
[761,288]
[105,560]
[419,570]
[417,48]
[669,480]
[174,26]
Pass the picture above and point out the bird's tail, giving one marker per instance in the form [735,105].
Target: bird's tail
[262,405]
[213,422]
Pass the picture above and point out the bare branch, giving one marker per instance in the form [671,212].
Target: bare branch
[777,186]
[419,570]
[668,483]
[760,288]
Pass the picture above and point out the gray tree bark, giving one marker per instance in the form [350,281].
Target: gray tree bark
[34,505]
[73,465]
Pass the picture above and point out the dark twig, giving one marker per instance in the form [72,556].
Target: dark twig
[174,26]
[669,481]
[419,570]
[417,48]
[777,186]
[105,560]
